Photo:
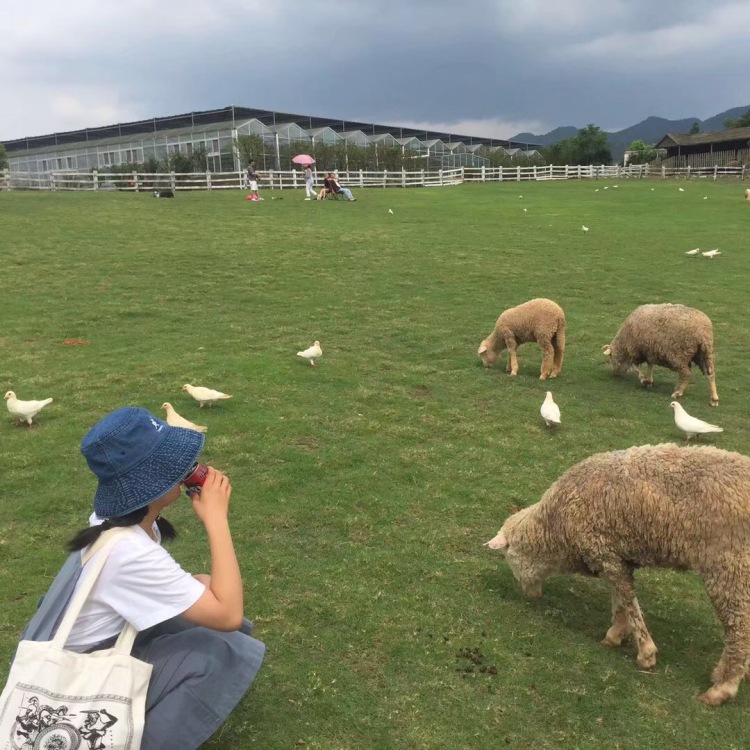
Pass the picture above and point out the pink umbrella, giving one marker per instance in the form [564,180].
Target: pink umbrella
[304,159]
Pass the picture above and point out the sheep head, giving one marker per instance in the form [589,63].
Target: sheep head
[521,541]
[487,353]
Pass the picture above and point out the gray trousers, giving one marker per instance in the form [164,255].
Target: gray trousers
[199,675]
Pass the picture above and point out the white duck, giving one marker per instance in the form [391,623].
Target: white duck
[175,420]
[690,425]
[312,353]
[204,395]
[550,411]
[24,411]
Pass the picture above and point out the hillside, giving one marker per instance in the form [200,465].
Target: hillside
[649,130]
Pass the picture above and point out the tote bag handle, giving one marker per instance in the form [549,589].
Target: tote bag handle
[105,542]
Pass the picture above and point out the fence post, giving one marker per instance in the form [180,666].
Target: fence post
[95,176]
[441,176]
[716,171]
[172,181]
[135,181]
[52,181]
[403,177]
[423,182]
[385,177]
[361,178]
[294,180]
[518,173]
[483,172]
[688,172]
[6,181]
[500,174]
[742,176]
[208,180]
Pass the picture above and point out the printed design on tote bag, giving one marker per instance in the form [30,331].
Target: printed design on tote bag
[40,726]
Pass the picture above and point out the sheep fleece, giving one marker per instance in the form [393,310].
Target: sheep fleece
[673,336]
[540,320]
[664,505]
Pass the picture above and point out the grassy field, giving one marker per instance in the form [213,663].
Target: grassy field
[365,488]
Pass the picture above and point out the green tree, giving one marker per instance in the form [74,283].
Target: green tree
[590,146]
[3,157]
[695,128]
[740,122]
[562,152]
[641,153]
[251,148]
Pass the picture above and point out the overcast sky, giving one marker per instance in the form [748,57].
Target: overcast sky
[478,67]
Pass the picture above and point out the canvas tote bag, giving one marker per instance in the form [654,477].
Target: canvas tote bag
[62,700]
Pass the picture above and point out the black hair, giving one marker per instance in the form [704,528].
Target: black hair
[89,535]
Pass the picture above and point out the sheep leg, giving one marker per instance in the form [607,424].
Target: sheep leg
[648,380]
[682,383]
[559,347]
[510,345]
[620,578]
[733,610]
[620,624]
[732,666]
[548,356]
[711,376]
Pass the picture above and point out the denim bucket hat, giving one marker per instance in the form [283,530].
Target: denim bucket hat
[137,458]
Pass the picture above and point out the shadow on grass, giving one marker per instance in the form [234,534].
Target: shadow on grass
[676,609]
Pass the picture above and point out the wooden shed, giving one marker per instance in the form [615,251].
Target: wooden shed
[725,147]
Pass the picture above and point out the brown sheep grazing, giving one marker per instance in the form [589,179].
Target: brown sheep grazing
[540,320]
[672,336]
[650,506]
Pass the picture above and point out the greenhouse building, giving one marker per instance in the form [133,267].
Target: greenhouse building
[220,141]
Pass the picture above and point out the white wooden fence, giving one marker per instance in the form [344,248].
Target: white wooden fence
[281,180]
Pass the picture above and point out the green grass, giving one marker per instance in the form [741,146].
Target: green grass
[364,489]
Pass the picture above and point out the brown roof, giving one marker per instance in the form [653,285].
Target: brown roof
[720,136]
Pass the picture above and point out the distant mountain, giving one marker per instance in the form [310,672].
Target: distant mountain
[650,130]
[558,134]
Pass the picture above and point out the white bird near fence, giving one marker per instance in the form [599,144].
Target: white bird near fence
[711,253]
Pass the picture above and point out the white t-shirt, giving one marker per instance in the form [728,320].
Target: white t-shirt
[140,583]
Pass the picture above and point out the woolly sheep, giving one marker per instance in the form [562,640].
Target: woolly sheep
[672,336]
[664,506]
[747,194]
[540,320]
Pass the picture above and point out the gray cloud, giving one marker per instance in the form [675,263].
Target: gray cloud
[495,64]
